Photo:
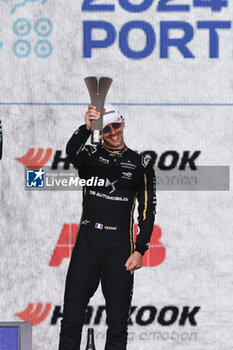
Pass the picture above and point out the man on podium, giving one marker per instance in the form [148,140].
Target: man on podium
[104,249]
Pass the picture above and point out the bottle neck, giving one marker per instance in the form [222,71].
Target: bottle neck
[90,339]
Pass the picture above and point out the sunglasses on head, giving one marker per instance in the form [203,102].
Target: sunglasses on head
[114,125]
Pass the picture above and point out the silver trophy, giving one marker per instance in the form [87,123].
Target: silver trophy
[98,89]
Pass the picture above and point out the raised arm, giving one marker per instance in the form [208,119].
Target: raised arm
[75,149]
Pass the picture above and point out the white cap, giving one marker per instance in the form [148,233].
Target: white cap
[111,115]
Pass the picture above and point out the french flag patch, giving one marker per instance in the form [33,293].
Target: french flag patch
[99,226]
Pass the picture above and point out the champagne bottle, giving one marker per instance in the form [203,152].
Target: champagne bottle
[90,339]
[1,140]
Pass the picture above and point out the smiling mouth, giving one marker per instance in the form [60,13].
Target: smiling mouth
[114,138]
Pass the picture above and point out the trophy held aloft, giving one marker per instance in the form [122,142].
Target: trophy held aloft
[98,89]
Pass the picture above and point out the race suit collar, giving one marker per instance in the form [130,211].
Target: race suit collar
[116,151]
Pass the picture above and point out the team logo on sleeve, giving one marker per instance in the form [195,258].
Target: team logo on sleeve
[146,159]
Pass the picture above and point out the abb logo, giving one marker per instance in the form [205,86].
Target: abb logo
[35,314]
[35,160]
[153,257]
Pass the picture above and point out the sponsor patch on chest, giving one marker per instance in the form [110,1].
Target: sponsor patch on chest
[127,175]
[103,160]
[128,165]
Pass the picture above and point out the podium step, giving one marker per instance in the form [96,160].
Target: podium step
[15,336]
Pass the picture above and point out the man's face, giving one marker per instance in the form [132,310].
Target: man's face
[114,137]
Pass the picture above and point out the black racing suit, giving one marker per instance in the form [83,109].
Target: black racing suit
[105,237]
